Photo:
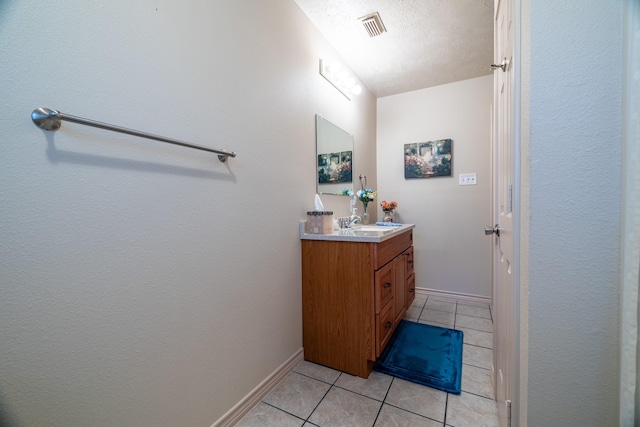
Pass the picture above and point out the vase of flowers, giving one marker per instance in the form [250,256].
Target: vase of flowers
[366,195]
[388,208]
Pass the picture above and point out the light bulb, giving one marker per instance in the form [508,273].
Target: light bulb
[356,90]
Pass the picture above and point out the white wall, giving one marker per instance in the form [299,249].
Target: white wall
[573,154]
[143,283]
[452,254]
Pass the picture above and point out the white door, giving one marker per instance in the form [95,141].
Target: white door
[504,296]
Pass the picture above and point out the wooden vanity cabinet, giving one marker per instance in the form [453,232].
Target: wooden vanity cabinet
[353,296]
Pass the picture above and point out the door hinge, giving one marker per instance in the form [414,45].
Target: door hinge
[510,198]
[508,403]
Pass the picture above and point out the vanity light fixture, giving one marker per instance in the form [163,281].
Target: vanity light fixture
[340,78]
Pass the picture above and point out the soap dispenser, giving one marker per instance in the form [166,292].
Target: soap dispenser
[354,218]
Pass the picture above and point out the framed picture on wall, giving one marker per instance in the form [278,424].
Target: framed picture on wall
[428,159]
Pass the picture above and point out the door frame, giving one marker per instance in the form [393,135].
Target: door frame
[517,402]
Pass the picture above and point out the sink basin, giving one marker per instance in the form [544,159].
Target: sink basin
[373,228]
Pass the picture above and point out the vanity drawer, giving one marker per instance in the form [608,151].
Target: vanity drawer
[387,250]
[384,286]
[384,327]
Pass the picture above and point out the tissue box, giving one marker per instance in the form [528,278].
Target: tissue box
[319,222]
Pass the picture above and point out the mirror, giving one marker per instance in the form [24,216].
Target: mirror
[334,154]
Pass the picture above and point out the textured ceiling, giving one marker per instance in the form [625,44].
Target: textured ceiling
[427,43]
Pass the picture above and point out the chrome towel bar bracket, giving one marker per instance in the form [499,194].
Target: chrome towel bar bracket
[51,120]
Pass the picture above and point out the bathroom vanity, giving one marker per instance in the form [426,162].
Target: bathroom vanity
[356,287]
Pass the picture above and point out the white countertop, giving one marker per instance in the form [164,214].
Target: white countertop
[359,233]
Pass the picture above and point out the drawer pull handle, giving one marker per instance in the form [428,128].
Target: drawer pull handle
[388,325]
[387,285]
[412,290]
[411,262]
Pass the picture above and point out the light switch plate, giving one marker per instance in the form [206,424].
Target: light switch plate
[468,179]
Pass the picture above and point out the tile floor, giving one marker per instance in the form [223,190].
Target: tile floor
[314,395]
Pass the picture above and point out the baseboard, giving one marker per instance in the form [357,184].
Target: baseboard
[426,292]
[257,394]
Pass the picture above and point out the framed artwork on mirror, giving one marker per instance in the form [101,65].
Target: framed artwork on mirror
[334,168]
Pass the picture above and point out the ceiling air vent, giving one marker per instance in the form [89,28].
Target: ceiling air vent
[373,24]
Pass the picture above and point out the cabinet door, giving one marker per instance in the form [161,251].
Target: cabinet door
[399,297]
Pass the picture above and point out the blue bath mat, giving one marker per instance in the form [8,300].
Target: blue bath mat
[424,354]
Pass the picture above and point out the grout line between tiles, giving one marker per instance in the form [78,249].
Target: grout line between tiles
[383,399]
[474,305]
[474,345]
[411,412]
[316,407]
[479,367]
[475,329]
[440,311]
[475,317]
[476,366]
[446,405]
[314,378]
[481,346]
[455,317]
[283,410]
[479,395]
[359,394]
[384,402]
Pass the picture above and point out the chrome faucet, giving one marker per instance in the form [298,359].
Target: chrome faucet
[354,219]
[349,221]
